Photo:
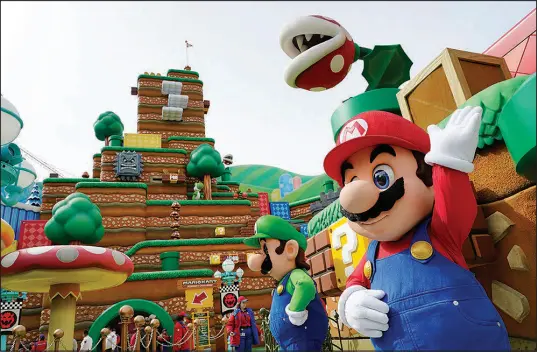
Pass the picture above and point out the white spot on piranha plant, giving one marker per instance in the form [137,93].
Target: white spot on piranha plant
[94,250]
[9,259]
[337,63]
[38,250]
[119,258]
[67,254]
[317,89]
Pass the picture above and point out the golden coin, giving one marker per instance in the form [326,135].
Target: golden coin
[421,250]
[368,269]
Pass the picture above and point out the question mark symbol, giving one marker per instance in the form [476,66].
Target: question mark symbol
[348,249]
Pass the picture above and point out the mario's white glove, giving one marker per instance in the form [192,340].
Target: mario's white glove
[363,310]
[455,145]
[297,318]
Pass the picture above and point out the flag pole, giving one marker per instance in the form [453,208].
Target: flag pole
[186,51]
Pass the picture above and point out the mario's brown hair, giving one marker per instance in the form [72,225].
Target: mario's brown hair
[424,171]
[300,260]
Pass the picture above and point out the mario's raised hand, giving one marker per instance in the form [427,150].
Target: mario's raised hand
[363,310]
[455,145]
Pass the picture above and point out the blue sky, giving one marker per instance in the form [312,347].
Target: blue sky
[64,63]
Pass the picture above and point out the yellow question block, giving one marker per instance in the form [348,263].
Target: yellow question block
[275,195]
[347,247]
[214,259]
[141,140]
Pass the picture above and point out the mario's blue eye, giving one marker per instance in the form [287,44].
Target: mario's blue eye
[383,177]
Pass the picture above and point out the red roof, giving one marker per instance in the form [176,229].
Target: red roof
[517,46]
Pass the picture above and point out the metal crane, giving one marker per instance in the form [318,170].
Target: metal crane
[61,173]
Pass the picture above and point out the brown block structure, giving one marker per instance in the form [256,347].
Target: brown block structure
[446,83]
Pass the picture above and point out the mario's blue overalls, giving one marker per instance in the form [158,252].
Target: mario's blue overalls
[434,303]
[307,337]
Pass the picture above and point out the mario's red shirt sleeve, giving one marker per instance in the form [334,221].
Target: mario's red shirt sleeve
[357,277]
[455,207]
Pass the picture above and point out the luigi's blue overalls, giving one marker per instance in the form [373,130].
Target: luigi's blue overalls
[307,337]
[434,303]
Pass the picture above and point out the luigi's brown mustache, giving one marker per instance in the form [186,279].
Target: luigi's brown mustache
[385,202]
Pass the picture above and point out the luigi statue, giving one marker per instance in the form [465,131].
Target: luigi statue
[298,319]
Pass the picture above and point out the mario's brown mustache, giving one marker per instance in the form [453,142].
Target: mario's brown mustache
[385,202]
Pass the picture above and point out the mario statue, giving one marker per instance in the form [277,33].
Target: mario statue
[409,192]
[298,319]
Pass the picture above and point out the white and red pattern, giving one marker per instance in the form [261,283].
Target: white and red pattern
[264,207]
[32,234]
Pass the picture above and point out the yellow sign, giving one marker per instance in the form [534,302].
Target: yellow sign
[140,140]
[348,248]
[197,298]
[214,259]
[220,231]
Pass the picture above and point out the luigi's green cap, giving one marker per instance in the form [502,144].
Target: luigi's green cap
[270,226]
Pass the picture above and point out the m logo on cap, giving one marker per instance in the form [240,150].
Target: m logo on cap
[353,129]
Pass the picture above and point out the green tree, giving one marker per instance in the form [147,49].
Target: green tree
[107,124]
[205,163]
[75,218]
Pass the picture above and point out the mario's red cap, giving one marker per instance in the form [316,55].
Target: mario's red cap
[369,129]
[182,314]
[242,299]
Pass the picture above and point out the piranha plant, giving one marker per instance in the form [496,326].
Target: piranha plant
[107,124]
[64,271]
[205,163]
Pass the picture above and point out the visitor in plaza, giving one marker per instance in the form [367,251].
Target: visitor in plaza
[164,341]
[180,334]
[111,341]
[87,342]
[189,343]
[40,345]
[242,329]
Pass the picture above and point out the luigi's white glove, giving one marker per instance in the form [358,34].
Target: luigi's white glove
[297,318]
[363,310]
[455,145]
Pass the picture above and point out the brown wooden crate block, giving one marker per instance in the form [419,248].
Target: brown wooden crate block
[328,259]
[484,247]
[317,263]
[311,247]
[329,284]
[468,251]
[322,240]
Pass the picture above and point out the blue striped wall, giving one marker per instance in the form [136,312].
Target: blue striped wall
[14,216]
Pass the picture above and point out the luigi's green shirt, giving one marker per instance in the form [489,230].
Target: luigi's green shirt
[302,289]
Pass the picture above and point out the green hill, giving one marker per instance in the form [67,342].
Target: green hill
[262,176]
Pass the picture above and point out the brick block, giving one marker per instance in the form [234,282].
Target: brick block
[329,284]
[317,281]
[322,240]
[317,263]
[480,222]
[311,247]
[468,251]
[484,247]
[328,259]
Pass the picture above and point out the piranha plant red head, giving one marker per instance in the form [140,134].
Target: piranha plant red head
[322,53]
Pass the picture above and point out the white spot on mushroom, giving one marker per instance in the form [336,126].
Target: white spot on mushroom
[38,250]
[9,259]
[337,63]
[94,250]
[67,254]
[317,89]
[119,258]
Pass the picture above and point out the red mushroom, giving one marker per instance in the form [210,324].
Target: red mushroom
[64,272]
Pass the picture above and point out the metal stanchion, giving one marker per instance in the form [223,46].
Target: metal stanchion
[155,323]
[147,331]
[139,322]
[19,332]
[104,335]
[125,313]
[58,334]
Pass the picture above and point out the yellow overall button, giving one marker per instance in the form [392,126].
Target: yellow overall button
[421,250]
[279,289]
[368,269]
